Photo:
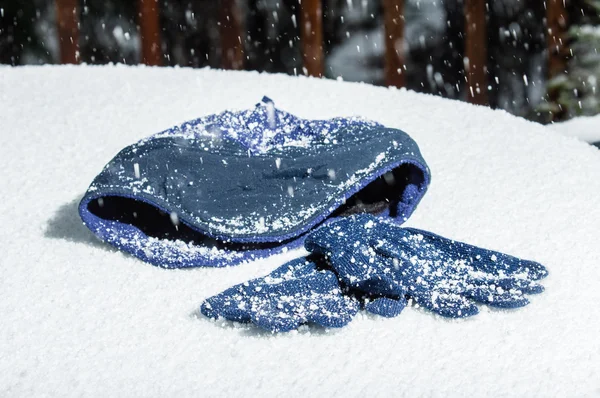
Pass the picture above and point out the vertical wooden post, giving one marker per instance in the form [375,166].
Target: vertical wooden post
[476,51]
[67,21]
[393,15]
[311,33]
[232,33]
[150,32]
[556,16]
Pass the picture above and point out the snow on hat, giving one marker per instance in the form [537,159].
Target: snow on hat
[236,186]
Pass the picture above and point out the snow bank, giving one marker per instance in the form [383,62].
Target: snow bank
[80,319]
[586,128]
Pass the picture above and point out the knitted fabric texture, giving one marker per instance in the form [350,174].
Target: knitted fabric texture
[294,294]
[383,266]
[236,186]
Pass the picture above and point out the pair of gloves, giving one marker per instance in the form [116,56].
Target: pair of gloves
[364,262]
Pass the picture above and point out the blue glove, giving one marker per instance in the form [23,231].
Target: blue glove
[390,264]
[295,293]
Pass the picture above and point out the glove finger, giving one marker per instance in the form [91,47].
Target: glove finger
[334,312]
[361,268]
[386,247]
[223,306]
[524,285]
[447,304]
[385,306]
[484,260]
[505,265]
[498,297]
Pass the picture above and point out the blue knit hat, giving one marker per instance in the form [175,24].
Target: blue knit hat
[236,186]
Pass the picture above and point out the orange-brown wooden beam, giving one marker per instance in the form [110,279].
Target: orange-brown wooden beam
[67,21]
[311,36]
[556,17]
[149,21]
[232,35]
[476,51]
[393,11]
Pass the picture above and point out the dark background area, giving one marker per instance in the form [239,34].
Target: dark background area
[353,41]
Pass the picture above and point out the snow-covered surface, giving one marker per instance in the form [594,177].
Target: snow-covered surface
[586,128]
[78,318]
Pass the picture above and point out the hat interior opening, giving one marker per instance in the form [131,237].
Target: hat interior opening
[401,185]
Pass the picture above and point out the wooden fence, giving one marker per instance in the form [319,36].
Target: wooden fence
[311,36]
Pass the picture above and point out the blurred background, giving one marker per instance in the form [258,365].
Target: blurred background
[536,59]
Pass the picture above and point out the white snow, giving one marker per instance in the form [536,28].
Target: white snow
[585,128]
[78,318]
